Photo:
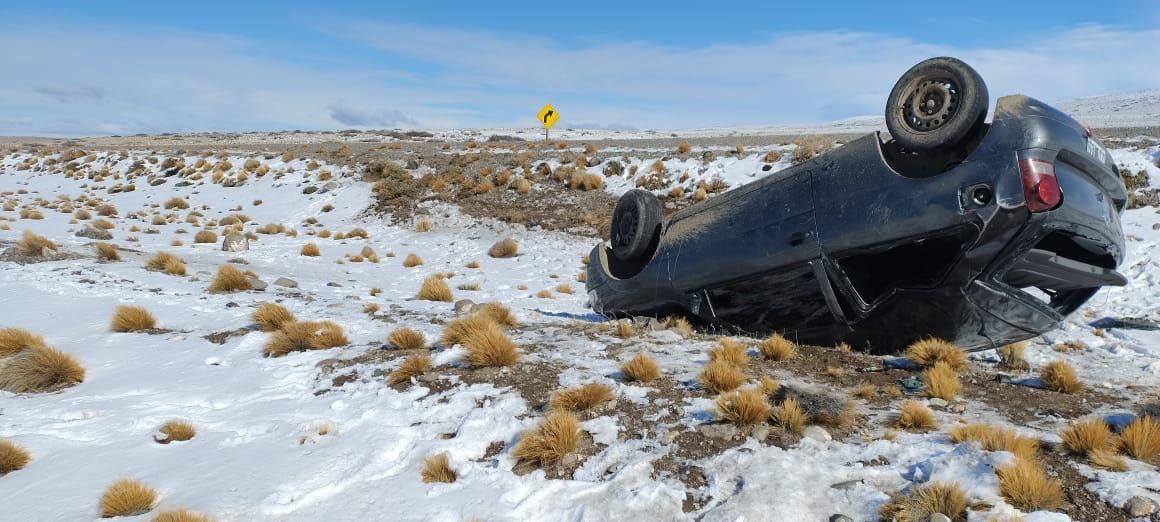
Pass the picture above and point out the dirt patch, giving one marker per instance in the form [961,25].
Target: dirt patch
[224,336]
[1079,503]
[535,382]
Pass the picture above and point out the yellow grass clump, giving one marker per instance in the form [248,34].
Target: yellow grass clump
[1025,484]
[166,262]
[39,368]
[1108,459]
[933,497]
[1141,438]
[790,416]
[1011,357]
[436,468]
[941,381]
[412,366]
[176,203]
[459,329]
[435,289]
[679,324]
[15,340]
[993,438]
[424,225]
[132,319]
[777,348]
[310,250]
[581,398]
[556,436]
[407,339]
[126,498]
[720,376]
[1087,435]
[107,252]
[743,407]
[304,335]
[12,457]
[914,416]
[1060,376]
[205,236]
[506,247]
[624,328]
[499,314]
[229,279]
[174,431]
[930,351]
[730,351]
[271,317]
[490,346]
[33,245]
[684,147]
[412,260]
[640,368]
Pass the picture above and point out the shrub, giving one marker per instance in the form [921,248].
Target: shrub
[926,500]
[412,366]
[680,325]
[684,147]
[1141,438]
[32,245]
[731,352]
[1087,435]
[407,339]
[1011,357]
[544,294]
[174,431]
[556,436]
[720,376]
[1060,376]
[772,156]
[700,195]
[126,498]
[992,438]
[176,203]
[624,328]
[304,335]
[914,416]
[506,247]
[564,289]
[12,457]
[437,469]
[459,329]
[930,351]
[40,369]
[522,186]
[357,232]
[412,260]
[104,224]
[205,236]
[790,416]
[16,340]
[311,250]
[1025,484]
[271,317]
[807,148]
[490,346]
[743,408]
[1107,459]
[581,180]
[132,319]
[941,382]
[640,368]
[229,279]
[166,262]
[435,289]
[777,348]
[582,397]
[498,313]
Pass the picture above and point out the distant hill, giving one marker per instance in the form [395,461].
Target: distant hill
[1133,109]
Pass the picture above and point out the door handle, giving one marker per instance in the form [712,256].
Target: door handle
[797,238]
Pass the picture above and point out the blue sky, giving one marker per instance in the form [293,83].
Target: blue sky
[86,68]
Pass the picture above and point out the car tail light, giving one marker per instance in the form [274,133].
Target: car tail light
[1040,188]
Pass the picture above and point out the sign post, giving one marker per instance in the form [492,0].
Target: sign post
[548,116]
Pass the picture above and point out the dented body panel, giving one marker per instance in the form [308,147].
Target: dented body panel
[865,246]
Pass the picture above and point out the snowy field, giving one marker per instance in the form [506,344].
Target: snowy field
[321,435]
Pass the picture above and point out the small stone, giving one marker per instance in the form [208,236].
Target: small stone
[310,190]
[838,517]
[255,283]
[157,182]
[938,403]
[761,432]
[332,283]
[235,242]
[817,433]
[958,407]
[938,517]
[95,233]
[593,161]
[231,304]
[846,484]
[708,156]
[464,306]
[411,164]
[569,460]
[718,431]
[1140,506]
[286,282]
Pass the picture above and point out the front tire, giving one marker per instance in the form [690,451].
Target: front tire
[636,222]
[937,105]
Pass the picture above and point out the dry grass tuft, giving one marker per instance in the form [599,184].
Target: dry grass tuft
[1141,438]
[731,352]
[1025,484]
[933,497]
[720,376]
[107,252]
[581,398]
[941,382]
[624,328]
[166,262]
[205,236]
[1108,459]
[132,319]
[15,340]
[435,289]
[1060,376]
[181,515]
[38,369]
[992,438]
[407,339]
[1087,435]
[928,352]
[777,348]
[790,416]
[412,260]
[310,250]
[304,335]
[12,457]
[498,313]
[174,431]
[677,324]
[684,147]
[271,316]
[506,247]
[459,329]
[229,279]
[32,245]
[436,468]
[412,366]
[641,368]
[914,416]
[555,437]
[126,498]
[490,346]
[743,407]
[1011,357]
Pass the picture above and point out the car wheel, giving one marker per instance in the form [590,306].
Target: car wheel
[636,221]
[938,104]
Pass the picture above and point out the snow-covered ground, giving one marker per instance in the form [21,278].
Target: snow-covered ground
[260,453]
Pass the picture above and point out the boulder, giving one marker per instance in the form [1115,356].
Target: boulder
[286,282]
[235,242]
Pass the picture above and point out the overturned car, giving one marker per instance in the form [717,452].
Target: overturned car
[978,233]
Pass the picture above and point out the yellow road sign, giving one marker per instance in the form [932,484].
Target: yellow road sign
[548,116]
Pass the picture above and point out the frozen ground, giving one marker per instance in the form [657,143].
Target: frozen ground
[282,439]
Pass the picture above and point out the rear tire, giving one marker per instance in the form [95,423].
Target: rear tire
[937,105]
[636,222]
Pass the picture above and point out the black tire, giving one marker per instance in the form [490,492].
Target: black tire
[938,104]
[636,222]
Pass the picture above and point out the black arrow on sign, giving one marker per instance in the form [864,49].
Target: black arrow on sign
[548,115]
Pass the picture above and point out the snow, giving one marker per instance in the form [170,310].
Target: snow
[270,447]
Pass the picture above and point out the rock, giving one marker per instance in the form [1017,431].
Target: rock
[613,168]
[286,282]
[157,182]
[938,403]
[958,407]
[464,306]
[569,460]
[846,484]
[231,304]
[235,242]
[184,183]
[329,186]
[708,156]
[332,283]
[310,190]
[411,164]
[939,517]
[94,233]
[817,433]
[838,517]
[761,432]
[718,431]
[238,261]
[255,283]
[1139,506]
[593,161]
